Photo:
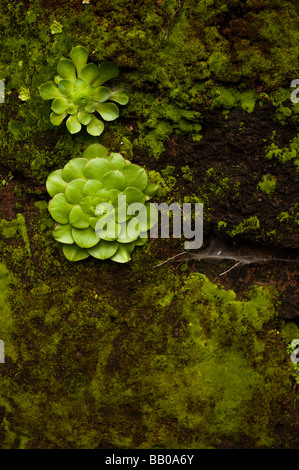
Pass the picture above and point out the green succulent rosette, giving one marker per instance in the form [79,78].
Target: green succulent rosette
[100,206]
[78,92]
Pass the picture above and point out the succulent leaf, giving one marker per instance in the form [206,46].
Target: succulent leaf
[103,250]
[63,233]
[123,254]
[66,69]
[57,79]
[59,105]
[94,151]
[117,160]
[48,91]
[135,176]
[134,195]
[91,187]
[60,208]
[72,108]
[73,124]
[79,56]
[142,239]
[55,183]
[56,119]
[97,168]
[120,96]
[84,118]
[108,111]
[95,126]
[78,218]
[98,213]
[85,238]
[65,86]
[101,94]
[74,252]
[74,169]
[74,190]
[89,73]
[80,84]
[114,179]
[107,229]
[129,231]
[107,71]
[151,190]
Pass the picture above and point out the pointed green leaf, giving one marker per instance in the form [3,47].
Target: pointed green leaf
[78,218]
[55,183]
[84,118]
[56,119]
[94,151]
[120,96]
[49,91]
[79,56]
[142,239]
[114,180]
[108,111]
[103,250]
[135,176]
[97,168]
[73,124]
[95,127]
[73,190]
[74,253]
[117,160]
[107,71]
[123,252]
[74,169]
[89,73]
[151,190]
[66,69]
[59,105]
[63,234]
[60,209]
[85,238]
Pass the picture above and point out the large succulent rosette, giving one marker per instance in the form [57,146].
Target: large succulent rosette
[100,206]
[79,93]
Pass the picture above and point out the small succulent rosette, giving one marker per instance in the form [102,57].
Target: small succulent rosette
[79,93]
[100,206]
